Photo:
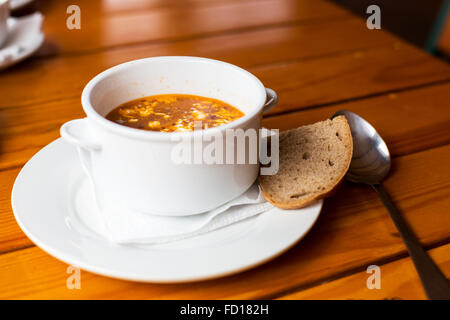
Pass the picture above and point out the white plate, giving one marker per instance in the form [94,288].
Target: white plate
[17,4]
[24,39]
[43,203]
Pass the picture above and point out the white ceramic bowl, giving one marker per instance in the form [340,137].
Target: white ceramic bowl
[132,168]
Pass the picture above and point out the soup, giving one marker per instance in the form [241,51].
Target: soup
[173,112]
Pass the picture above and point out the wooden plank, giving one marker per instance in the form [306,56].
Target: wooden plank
[349,76]
[300,84]
[120,7]
[65,76]
[399,280]
[27,129]
[100,29]
[408,121]
[111,7]
[353,231]
[11,236]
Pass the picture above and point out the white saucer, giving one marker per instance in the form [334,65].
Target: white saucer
[24,38]
[43,203]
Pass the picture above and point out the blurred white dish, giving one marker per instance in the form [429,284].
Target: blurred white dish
[24,38]
[17,4]
[45,206]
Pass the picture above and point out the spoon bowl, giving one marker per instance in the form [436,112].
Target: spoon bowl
[371,160]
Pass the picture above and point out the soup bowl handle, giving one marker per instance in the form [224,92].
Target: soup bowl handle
[271,100]
[74,132]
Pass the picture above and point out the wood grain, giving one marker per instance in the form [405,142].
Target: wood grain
[353,231]
[11,236]
[399,280]
[114,7]
[349,76]
[408,121]
[65,76]
[100,29]
[27,129]
[299,84]
[320,59]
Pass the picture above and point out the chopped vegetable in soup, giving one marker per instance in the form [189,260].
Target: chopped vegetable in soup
[173,112]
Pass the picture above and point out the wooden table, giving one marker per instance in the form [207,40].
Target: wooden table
[319,58]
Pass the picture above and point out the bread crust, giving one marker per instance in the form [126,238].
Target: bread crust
[291,205]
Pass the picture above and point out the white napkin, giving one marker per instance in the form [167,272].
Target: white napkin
[128,227]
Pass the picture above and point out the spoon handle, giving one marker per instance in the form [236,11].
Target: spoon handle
[436,285]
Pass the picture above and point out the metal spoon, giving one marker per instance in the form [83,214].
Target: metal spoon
[370,164]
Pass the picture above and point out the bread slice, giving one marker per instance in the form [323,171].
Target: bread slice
[313,160]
